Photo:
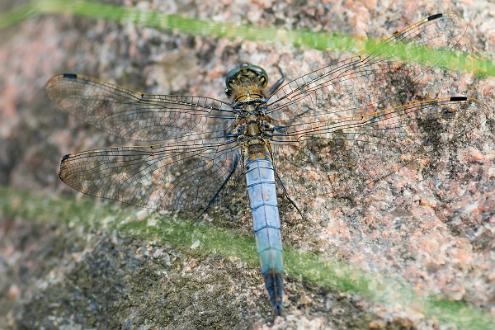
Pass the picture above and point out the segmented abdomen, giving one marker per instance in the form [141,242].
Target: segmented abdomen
[260,179]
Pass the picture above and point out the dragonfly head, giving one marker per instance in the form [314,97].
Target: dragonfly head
[246,81]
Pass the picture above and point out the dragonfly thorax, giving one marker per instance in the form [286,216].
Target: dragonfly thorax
[254,132]
[252,122]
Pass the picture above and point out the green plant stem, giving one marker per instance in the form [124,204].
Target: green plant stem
[452,60]
[207,239]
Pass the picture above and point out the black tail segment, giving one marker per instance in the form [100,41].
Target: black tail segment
[458,98]
[274,283]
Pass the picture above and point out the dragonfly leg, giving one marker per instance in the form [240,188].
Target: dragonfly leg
[212,200]
[286,194]
[278,83]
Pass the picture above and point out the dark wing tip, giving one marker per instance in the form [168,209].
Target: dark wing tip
[61,169]
[458,98]
[53,80]
[435,16]
[69,75]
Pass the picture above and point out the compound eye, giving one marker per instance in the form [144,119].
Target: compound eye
[228,91]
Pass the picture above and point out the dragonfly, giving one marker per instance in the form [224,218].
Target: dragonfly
[184,150]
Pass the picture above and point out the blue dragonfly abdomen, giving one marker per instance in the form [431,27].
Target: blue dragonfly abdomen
[260,179]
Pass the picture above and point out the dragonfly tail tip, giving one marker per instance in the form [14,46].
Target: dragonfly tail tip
[277,309]
[274,284]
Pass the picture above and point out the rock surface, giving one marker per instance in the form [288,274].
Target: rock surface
[433,226]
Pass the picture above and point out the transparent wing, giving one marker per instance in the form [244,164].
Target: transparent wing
[345,158]
[184,168]
[366,82]
[346,126]
[137,116]
[175,178]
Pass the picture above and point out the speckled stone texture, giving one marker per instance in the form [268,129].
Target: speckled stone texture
[431,223]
